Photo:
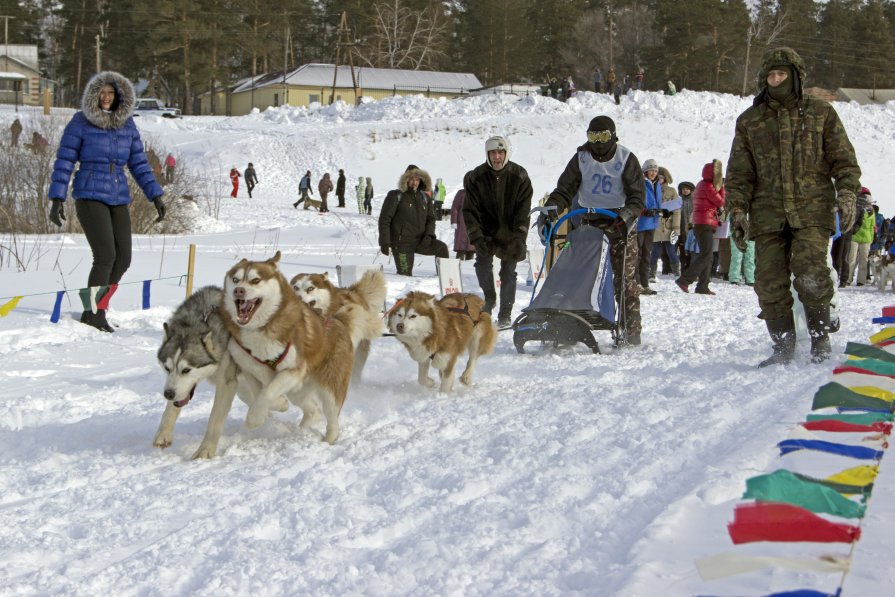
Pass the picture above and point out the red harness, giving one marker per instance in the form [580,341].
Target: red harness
[272,363]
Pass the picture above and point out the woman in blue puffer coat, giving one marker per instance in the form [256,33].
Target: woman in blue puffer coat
[102,138]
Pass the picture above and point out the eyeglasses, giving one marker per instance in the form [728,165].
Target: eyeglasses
[599,136]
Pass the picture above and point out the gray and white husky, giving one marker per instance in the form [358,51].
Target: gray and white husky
[194,348]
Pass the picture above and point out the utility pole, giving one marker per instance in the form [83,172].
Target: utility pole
[285,59]
[344,42]
[98,55]
[6,40]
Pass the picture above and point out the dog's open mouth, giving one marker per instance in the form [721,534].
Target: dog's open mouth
[185,401]
[245,309]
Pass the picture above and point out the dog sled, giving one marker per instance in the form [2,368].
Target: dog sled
[577,296]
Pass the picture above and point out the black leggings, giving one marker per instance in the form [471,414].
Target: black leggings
[108,231]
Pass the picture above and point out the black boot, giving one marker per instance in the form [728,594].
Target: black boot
[783,335]
[101,323]
[819,329]
[504,316]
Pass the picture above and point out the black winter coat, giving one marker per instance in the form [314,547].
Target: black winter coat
[406,217]
[500,219]
[340,185]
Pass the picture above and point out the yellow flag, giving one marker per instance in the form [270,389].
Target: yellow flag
[874,392]
[5,309]
[883,334]
[859,475]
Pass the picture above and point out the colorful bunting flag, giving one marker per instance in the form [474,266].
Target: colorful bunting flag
[783,486]
[858,475]
[883,334]
[767,521]
[845,427]
[853,379]
[872,366]
[861,490]
[730,564]
[104,301]
[9,306]
[146,284]
[866,351]
[889,311]
[860,452]
[834,394]
[857,419]
[57,307]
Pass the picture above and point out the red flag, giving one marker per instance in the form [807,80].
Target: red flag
[845,427]
[889,311]
[853,369]
[104,302]
[771,521]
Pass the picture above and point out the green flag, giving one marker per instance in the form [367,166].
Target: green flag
[873,365]
[859,419]
[867,351]
[783,486]
[837,395]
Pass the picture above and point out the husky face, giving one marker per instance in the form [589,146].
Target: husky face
[187,360]
[412,320]
[252,292]
[314,289]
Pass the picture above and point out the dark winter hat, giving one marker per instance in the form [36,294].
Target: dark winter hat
[686,184]
[411,167]
[602,123]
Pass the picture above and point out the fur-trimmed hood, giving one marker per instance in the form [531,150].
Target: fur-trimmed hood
[122,107]
[425,179]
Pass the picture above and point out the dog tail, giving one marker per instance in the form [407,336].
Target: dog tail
[363,317]
[372,289]
[484,334]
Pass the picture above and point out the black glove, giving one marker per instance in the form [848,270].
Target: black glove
[384,250]
[160,208]
[57,212]
[651,213]
[625,220]
[846,204]
[739,229]
[665,213]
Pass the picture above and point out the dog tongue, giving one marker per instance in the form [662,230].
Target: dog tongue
[244,309]
[185,401]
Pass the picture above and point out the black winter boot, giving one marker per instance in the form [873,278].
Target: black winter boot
[504,316]
[819,329]
[783,335]
[101,323]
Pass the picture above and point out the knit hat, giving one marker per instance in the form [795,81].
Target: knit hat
[602,123]
[650,164]
[865,191]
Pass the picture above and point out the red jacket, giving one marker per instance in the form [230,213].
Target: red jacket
[706,200]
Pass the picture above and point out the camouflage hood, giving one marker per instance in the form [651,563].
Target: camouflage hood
[780,57]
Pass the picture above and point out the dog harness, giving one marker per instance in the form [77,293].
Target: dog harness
[272,363]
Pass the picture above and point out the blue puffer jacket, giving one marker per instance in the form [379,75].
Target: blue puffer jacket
[653,201]
[102,143]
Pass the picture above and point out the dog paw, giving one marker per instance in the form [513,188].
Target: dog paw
[428,382]
[162,441]
[280,405]
[256,416]
[466,379]
[331,436]
[205,451]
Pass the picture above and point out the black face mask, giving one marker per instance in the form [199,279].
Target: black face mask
[601,150]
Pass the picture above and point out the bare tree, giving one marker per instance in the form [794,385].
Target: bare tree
[765,27]
[404,38]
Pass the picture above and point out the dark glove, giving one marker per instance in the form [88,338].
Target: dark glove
[739,229]
[651,213]
[665,213]
[160,208]
[625,220]
[384,250]
[57,212]
[846,205]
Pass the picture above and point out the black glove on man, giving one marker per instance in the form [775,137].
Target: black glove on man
[57,212]
[160,208]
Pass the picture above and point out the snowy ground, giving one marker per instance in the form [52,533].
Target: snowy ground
[558,473]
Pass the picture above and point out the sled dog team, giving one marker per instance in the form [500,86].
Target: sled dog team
[272,342]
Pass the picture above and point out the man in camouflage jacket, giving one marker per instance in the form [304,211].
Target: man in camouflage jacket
[791,168]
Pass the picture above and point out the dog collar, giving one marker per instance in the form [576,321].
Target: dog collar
[272,363]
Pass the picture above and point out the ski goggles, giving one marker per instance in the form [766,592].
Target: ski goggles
[599,136]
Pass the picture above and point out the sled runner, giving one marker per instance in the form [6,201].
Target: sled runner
[563,311]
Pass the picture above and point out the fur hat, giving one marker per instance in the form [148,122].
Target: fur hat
[663,172]
[650,164]
[425,179]
[686,184]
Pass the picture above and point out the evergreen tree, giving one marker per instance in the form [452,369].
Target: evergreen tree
[874,48]
[836,26]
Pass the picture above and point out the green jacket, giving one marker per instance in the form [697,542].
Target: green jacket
[786,157]
[864,235]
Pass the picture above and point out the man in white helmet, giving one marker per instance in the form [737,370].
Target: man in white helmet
[498,199]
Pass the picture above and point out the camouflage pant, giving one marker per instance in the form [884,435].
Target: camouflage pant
[801,252]
[624,247]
